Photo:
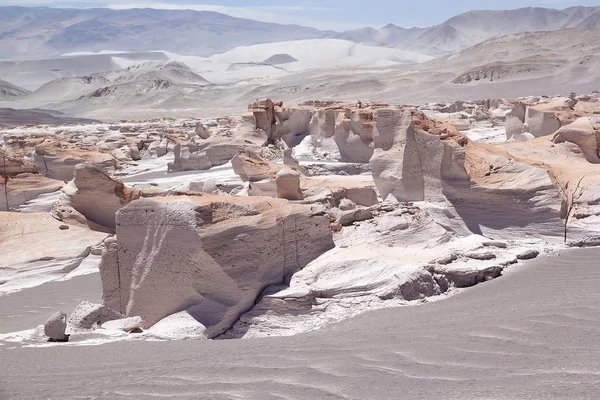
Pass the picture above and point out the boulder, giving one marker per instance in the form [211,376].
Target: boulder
[209,153]
[88,315]
[528,255]
[124,324]
[288,184]
[56,326]
[179,326]
[201,131]
[209,255]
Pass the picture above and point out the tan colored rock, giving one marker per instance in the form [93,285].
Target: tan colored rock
[57,161]
[209,153]
[13,166]
[201,131]
[98,196]
[25,187]
[88,315]
[540,122]
[585,133]
[209,255]
[251,167]
[288,184]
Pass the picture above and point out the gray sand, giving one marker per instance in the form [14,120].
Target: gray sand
[530,334]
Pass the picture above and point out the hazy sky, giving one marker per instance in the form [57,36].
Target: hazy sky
[324,14]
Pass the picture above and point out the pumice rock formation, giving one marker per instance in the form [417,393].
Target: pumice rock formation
[209,255]
[98,196]
[57,161]
[585,133]
[416,157]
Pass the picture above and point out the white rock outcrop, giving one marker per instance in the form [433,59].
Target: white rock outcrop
[209,255]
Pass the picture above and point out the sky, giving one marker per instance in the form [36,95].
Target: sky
[323,14]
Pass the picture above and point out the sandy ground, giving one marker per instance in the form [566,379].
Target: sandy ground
[530,334]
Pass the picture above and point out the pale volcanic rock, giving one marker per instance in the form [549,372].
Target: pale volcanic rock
[98,196]
[360,189]
[12,166]
[415,156]
[348,130]
[57,162]
[210,255]
[293,124]
[25,187]
[123,324]
[585,133]
[515,121]
[201,131]
[288,184]
[56,252]
[212,152]
[540,122]
[251,167]
[88,315]
[178,326]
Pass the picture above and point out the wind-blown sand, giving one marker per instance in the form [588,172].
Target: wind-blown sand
[530,334]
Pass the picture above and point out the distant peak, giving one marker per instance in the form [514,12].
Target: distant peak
[391,26]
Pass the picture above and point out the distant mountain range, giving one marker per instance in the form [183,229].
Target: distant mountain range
[473,27]
[35,32]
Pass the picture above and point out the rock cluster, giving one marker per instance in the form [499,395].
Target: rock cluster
[219,252]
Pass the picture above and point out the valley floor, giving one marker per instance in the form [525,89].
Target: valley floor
[532,333]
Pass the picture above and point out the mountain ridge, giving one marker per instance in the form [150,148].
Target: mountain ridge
[23,30]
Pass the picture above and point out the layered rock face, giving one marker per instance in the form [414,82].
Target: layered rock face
[209,255]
